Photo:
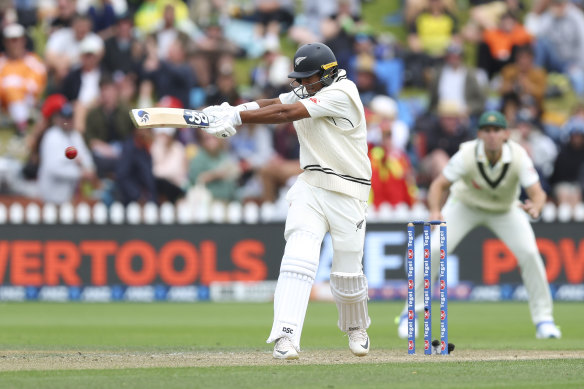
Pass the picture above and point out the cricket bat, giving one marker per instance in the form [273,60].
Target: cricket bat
[169,117]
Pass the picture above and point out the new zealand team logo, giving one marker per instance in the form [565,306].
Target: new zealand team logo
[298,60]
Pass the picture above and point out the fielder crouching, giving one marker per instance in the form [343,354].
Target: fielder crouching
[329,196]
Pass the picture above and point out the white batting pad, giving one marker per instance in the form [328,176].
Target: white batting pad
[290,303]
[301,254]
[350,293]
[297,273]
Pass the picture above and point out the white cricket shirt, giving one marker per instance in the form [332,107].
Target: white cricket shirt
[333,141]
[492,188]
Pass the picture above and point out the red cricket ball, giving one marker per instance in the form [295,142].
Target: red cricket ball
[70,152]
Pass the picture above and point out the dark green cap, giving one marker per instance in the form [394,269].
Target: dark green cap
[492,118]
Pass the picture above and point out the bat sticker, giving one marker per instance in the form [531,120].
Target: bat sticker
[196,117]
[144,116]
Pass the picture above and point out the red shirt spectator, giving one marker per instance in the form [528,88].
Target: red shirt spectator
[392,179]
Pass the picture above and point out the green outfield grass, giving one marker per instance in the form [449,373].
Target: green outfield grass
[71,330]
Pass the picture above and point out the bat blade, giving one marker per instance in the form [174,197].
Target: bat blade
[169,117]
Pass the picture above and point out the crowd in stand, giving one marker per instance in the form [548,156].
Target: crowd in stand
[70,70]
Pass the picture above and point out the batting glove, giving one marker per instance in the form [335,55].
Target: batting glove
[227,113]
[224,131]
[220,129]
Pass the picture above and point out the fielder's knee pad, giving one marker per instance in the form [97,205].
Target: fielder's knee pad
[297,273]
[350,293]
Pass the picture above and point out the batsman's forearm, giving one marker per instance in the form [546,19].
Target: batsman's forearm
[275,114]
[266,102]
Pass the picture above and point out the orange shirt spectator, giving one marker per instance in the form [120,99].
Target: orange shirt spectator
[23,76]
[501,40]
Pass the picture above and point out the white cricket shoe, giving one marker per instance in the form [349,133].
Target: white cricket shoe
[547,330]
[358,342]
[284,349]
[402,326]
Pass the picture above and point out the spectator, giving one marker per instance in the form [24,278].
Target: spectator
[26,12]
[81,85]
[340,29]
[413,8]
[59,177]
[167,32]
[214,168]
[433,30]
[123,52]
[390,67]
[63,51]
[540,147]
[428,38]
[510,107]
[568,177]
[559,46]
[366,80]
[438,138]
[318,16]
[524,78]
[171,77]
[458,83]
[393,180]
[103,17]
[169,159]
[253,147]
[267,75]
[134,175]
[283,168]
[225,89]
[387,66]
[22,76]
[273,16]
[498,44]
[534,15]
[107,126]
[64,15]
[451,129]
[52,104]
[384,119]
[210,52]
[150,17]
[169,162]
[486,14]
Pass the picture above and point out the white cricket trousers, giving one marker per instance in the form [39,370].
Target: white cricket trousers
[313,212]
